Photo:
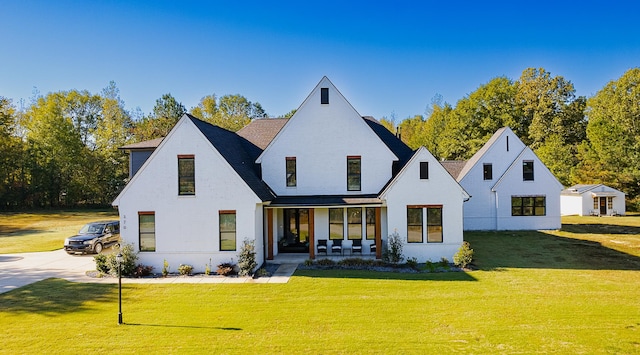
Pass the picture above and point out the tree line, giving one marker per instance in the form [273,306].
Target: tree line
[581,140]
[61,149]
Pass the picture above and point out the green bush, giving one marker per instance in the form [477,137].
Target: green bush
[247,258]
[142,270]
[355,262]
[412,263]
[185,269]
[393,252]
[326,262]
[165,268]
[463,256]
[101,263]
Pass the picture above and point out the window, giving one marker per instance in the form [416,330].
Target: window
[186,175]
[291,171]
[147,231]
[527,170]
[507,143]
[487,170]
[353,173]
[371,223]
[610,203]
[434,225]
[227,230]
[324,95]
[528,205]
[595,203]
[354,223]
[414,225]
[336,223]
[424,170]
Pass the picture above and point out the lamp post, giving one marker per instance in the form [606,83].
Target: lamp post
[119,260]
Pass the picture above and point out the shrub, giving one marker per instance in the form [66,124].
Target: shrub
[142,270]
[207,268]
[308,262]
[444,263]
[129,259]
[262,272]
[226,269]
[430,266]
[393,252]
[165,268]
[247,258]
[101,263]
[326,262]
[354,262]
[412,263]
[185,269]
[464,255]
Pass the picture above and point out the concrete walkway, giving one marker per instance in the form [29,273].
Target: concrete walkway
[17,270]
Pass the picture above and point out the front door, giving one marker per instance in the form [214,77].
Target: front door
[296,231]
[603,206]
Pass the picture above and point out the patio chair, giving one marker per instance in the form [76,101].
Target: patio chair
[357,246]
[337,246]
[322,246]
[372,248]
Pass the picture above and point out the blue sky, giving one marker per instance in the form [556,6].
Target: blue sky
[391,57]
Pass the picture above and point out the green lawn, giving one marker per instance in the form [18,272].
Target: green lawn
[563,292]
[44,231]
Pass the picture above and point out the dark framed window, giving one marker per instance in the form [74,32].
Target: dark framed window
[354,223]
[291,171]
[336,223]
[424,170]
[434,225]
[528,205]
[527,170]
[487,171]
[186,175]
[324,95]
[147,231]
[353,173]
[414,224]
[371,223]
[227,225]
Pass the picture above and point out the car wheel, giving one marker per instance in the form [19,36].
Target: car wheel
[97,248]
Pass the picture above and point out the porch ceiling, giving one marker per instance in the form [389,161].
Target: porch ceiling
[332,200]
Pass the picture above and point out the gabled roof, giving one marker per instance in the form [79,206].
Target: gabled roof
[454,167]
[515,163]
[145,145]
[478,156]
[238,152]
[580,189]
[397,147]
[262,131]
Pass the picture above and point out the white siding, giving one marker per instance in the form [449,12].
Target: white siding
[574,205]
[320,137]
[439,189]
[187,229]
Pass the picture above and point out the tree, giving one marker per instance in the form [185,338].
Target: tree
[11,156]
[612,153]
[166,113]
[231,112]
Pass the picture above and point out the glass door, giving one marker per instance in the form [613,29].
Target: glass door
[296,231]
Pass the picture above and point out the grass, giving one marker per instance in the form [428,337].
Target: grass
[559,292]
[44,231]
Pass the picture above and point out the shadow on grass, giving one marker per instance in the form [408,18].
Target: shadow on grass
[53,297]
[378,275]
[9,232]
[593,228]
[183,326]
[534,249]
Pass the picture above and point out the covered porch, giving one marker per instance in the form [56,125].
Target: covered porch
[298,228]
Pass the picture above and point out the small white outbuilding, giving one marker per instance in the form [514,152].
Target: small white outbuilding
[592,200]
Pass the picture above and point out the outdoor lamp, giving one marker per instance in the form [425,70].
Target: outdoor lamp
[119,259]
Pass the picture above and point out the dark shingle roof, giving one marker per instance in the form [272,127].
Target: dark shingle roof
[401,150]
[454,167]
[239,153]
[262,131]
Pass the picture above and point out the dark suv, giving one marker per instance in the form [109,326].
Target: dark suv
[93,237]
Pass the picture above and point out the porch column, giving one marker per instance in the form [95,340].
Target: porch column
[378,233]
[312,239]
[269,234]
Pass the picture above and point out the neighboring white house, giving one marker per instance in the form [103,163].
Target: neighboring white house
[592,200]
[510,188]
[326,174]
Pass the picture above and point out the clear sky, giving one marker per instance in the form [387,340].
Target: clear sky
[384,56]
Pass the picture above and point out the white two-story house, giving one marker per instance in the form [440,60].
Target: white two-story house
[326,176]
[511,188]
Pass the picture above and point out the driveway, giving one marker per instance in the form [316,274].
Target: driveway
[17,270]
